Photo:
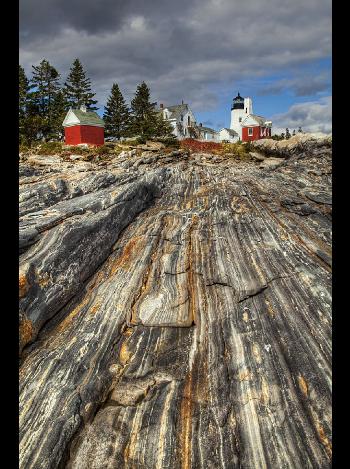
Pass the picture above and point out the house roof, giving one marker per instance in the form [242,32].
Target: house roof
[232,132]
[177,110]
[259,119]
[83,118]
[206,129]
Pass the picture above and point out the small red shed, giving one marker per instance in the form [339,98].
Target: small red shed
[83,126]
[255,127]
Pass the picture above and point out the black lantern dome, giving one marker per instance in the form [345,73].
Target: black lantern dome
[238,102]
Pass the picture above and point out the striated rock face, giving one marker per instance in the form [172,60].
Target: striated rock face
[175,312]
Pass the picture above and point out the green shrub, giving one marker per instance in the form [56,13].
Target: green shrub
[50,148]
[170,142]
[140,141]
[24,148]
[238,149]
[103,150]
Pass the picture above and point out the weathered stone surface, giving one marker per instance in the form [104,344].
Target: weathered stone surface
[301,144]
[176,315]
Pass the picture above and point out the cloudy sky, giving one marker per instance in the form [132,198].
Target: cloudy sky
[278,52]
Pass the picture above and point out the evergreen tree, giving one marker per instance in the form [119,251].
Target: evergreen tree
[163,128]
[60,108]
[23,92]
[282,135]
[287,133]
[293,132]
[144,117]
[22,104]
[77,88]
[300,130]
[116,115]
[45,86]
[33,129]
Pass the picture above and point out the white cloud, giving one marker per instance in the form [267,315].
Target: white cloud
[315,116]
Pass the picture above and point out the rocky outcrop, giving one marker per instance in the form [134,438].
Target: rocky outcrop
[300,144]
[175,312]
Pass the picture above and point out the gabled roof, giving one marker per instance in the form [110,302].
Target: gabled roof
[232,132]
[206,129]
[258,119]
[79,117]
[177,110]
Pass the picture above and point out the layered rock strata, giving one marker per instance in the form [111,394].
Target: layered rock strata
[175,313]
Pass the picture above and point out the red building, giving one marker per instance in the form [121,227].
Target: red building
[255,127]
[82,126]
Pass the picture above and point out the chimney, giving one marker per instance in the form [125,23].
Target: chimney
[161,105]
[83,108]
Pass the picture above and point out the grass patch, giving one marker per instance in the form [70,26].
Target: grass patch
[237,150]
[49,148]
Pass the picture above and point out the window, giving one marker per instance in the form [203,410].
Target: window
[240,119]
[188,120]
[250,131]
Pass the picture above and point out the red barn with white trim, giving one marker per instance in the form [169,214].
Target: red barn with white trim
[82,126]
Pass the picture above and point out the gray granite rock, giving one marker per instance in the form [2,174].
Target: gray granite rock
[176,315]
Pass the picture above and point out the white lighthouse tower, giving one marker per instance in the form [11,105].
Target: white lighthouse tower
[240,109]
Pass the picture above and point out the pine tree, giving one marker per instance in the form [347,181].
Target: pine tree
[45,82]
[45,86]
[60,108]
[23,92]
[293,132]
[116,115]
[144,117]
[163,127]
[77,88]
[300,130]
[22,104]
[287,133]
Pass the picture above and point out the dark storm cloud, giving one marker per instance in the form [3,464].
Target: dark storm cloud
[183,49]
[38,18]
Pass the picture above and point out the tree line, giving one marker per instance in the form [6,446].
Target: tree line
[287,134]
[44,102]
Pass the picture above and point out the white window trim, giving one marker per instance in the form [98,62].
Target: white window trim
[250,131]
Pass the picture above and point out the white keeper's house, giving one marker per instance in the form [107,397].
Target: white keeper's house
[181,118]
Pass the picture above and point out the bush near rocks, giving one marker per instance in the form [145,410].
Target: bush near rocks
[49,148]
[237,150]
[200,147]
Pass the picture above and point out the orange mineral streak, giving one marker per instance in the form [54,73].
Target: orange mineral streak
[191,286]
[23,285]
[124,354]
[130,251]
[325,441]
[303,385]
[186,425]
[26,331]
[68,319]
